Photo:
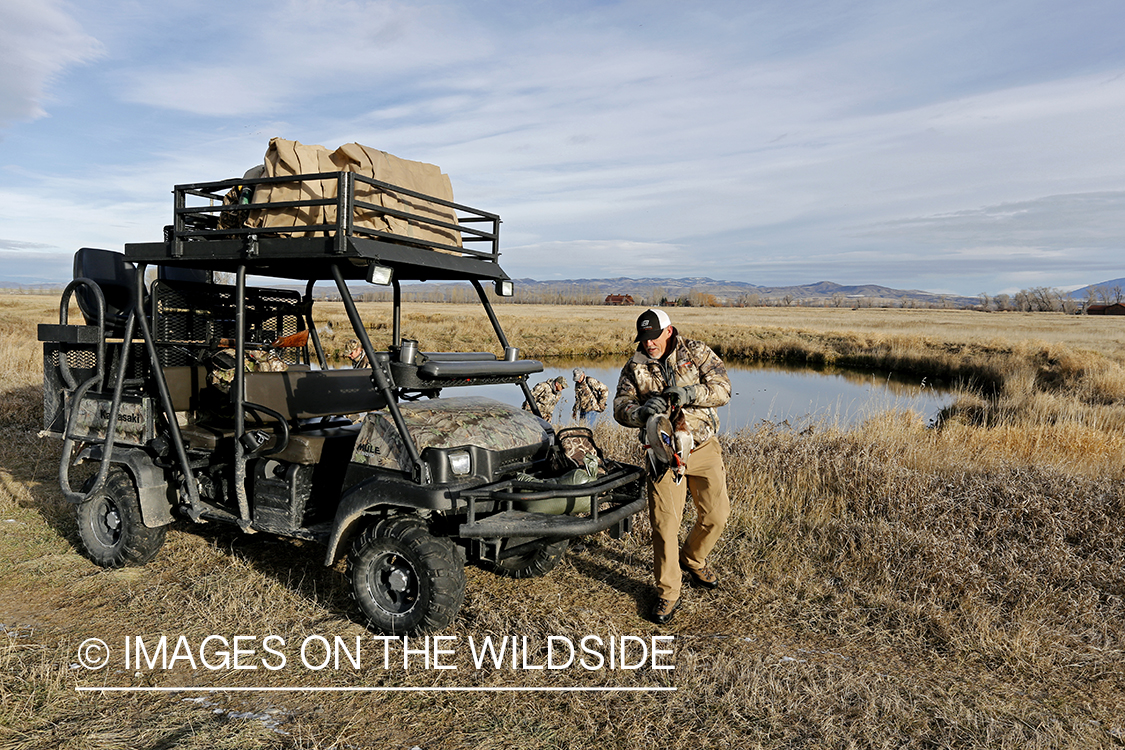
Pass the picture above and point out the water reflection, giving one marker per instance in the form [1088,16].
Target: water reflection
[770,392]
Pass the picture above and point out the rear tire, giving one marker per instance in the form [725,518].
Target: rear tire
[405,580]
[110,525]
[536,561]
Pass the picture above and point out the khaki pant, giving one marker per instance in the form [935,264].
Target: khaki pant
[706,477]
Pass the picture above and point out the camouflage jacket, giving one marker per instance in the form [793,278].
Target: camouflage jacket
[546,398]
[589,395]
[688,363]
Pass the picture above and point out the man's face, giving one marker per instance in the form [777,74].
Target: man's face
[656,347]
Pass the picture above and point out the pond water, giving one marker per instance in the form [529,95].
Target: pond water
[797,396]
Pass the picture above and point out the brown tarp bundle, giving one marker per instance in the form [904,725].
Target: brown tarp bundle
[284,158]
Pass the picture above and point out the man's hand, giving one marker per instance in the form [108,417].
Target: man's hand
[680,395]
[650,408]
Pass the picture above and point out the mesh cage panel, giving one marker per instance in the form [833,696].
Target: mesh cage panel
[82,361]
[76,359]
[137,366]
[189,319]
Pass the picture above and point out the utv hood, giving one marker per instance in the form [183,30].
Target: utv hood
[448,423]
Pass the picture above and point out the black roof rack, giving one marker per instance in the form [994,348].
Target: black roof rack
[211,231]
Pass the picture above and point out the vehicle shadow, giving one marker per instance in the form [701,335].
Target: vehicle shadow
[294,564]
[620,570]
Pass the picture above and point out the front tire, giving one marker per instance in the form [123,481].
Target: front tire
[404,579]
[539,559]
[110,525]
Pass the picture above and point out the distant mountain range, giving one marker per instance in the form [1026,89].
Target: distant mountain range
[694,288]
[650,290]
[1105,291]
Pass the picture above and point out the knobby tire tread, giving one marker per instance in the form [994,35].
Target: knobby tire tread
[138,544]
[439,561]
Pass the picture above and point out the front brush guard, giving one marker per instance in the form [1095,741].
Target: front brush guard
[626,497]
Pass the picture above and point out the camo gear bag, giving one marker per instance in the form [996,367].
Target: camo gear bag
[577,450]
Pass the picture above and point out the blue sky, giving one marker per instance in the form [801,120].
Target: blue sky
[957,147]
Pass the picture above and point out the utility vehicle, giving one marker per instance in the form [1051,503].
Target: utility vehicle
[217,402]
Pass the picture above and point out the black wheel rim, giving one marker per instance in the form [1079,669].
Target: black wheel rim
[106,522]
[394,583]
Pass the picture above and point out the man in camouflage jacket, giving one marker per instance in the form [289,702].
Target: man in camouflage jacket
[547,395]
[666,371]
[356,355]
[590,395]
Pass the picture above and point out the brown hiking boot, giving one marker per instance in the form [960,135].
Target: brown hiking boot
[704,577]
[664,610]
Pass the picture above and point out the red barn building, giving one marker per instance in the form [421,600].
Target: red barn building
[1117,308]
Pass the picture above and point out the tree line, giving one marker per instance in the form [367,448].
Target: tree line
[1034,299]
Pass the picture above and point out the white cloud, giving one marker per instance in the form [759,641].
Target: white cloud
[952,145]
[1059,222]
[588,259]
[38,41]
[280,57]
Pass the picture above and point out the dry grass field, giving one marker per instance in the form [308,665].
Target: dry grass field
[886,586]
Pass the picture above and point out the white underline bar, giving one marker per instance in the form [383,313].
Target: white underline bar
[81,689]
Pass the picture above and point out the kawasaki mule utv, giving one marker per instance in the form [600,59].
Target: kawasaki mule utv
[216,402]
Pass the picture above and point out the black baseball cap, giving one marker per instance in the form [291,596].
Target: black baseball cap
[651,324]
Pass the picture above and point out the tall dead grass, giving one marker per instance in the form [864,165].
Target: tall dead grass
[883,586]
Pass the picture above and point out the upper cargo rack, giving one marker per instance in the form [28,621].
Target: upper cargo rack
[317,219]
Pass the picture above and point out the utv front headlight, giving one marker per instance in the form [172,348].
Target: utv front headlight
[460,463]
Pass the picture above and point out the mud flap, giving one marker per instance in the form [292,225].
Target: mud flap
[152,486]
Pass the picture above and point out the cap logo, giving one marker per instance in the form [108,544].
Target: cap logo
[651,323]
